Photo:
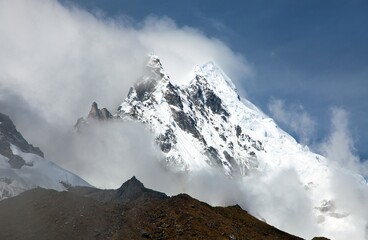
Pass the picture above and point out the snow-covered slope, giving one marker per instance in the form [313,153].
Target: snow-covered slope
[23,167]
[206,125]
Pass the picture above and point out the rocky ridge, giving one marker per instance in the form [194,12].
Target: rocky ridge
[75,214]
[23,166]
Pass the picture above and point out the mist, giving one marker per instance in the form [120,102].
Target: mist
[295,118]
[57,59]
[348,171]
[108,153]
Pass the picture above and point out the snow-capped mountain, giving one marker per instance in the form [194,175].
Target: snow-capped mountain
[194,126]
[23,167]
[206,125]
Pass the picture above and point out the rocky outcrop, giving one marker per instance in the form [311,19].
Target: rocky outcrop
[131,190]
[215,103]
[9,136]
[166,140]
[144,89]
[172,96]
[95,114]
[98,114]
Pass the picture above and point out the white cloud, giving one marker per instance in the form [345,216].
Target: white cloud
[109,153]
[56,60]
[294,117]
[350,190]
[339,147]
[280,198]
[61,59]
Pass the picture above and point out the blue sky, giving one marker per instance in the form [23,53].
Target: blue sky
[309,54]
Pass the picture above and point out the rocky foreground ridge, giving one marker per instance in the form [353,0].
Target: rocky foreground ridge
[130,212]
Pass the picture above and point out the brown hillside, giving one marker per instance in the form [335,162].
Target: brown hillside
[47,214]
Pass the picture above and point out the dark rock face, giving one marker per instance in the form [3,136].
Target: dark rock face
[5,149]
[133,189]
[16,162]
[238,130]
[172,97]
[215,103]
[213,155]
[10,135]
[186,123]
[165,141]
[105,114]
[97,114]
[81,123]
[199,95]
[144,89]
[231,160]
[255,144]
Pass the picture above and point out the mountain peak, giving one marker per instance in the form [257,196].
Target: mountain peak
[197,113]
[132,183]
[129,191]
[154,69]
[98,114]
[214,75]
[134,189]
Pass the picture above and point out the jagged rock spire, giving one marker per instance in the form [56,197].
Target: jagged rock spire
[98,114]
[95,114]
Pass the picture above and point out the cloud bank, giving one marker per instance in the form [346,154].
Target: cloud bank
[339,146]
[60,59]
[348,171]
[56,60]
[349,193]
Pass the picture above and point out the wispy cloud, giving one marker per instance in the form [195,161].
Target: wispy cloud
[58,59]
[295,118]
[339,145]
[350,190]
